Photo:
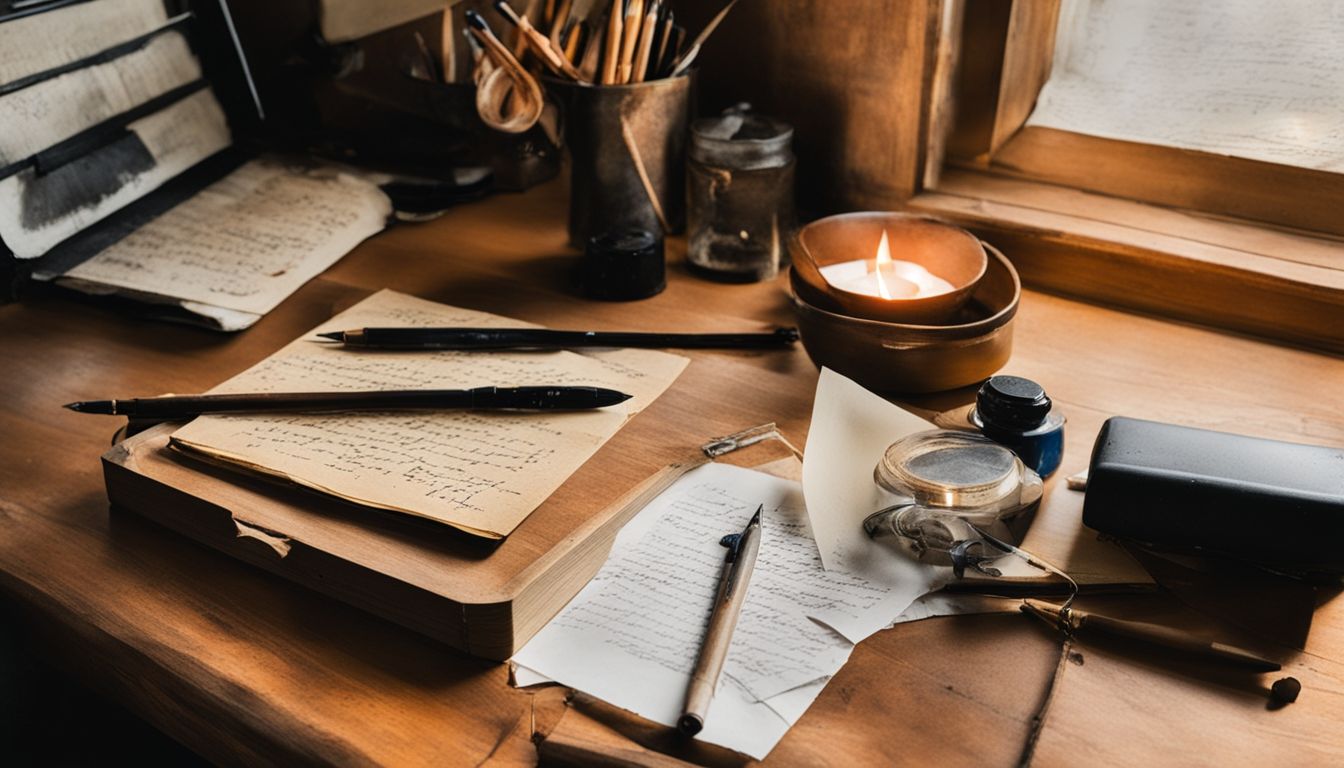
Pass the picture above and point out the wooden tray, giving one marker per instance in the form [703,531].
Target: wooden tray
[486,598]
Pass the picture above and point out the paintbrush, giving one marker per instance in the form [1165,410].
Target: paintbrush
[540,45]
[694,50]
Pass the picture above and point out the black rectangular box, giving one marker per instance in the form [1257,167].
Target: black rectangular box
[1264,501]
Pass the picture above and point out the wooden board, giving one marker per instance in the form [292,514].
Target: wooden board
[1184,178]
[478,596]
[460,590]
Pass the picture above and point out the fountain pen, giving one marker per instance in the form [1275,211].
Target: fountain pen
[481,398]
[544,338]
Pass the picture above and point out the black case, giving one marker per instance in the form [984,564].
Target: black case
[1263,501]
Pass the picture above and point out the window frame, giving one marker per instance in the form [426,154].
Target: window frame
[1240,244]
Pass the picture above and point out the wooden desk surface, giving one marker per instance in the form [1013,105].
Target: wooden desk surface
[244,667]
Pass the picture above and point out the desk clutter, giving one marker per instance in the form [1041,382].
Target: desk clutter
[127,169]
[542,496]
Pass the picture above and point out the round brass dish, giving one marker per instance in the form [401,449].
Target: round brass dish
[901,358]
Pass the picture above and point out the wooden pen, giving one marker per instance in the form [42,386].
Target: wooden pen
[558,23]
[1079,622]
[611,50]
[539,43]
[644,45]
[634,19]
[737,567]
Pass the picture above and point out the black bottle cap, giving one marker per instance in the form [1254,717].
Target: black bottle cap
[1012,403]
[624,264]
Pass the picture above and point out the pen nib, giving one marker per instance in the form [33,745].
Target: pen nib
[77,407]
[333,335]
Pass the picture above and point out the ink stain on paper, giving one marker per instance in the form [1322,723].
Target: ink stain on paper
[83,182]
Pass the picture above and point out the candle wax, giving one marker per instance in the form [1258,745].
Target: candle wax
[903,279]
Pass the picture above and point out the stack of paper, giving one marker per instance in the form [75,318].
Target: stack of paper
[632,635]
[482,472]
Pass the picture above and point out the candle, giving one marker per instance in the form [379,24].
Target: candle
[887,278]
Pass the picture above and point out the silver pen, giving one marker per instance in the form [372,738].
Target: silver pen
[737,567]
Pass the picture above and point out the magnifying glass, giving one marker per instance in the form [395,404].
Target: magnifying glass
[951,488]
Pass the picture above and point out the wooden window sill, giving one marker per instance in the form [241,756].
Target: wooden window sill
[1280,284]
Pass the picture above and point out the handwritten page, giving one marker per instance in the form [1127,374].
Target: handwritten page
[1245,78]
[51,111]
[851,429]
[37,212]
[247,241]
[633,634]
[481,472]
[52,39]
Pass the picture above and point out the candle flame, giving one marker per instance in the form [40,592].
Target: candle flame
[883,257]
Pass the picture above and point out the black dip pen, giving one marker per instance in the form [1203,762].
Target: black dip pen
[540,338]
[737,567]
[175,407]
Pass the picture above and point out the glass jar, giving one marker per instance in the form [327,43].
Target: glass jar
[740,189]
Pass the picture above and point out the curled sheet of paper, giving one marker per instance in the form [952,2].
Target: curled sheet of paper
[851,429]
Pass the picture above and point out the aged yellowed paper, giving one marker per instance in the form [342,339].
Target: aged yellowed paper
[247,241]
[481,472]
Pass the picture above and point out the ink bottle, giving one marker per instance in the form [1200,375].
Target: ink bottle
[1016,413]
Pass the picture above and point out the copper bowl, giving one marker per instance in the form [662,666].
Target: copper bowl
[902,358]
[945,250]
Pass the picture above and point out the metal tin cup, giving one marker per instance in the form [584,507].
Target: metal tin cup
[627,147]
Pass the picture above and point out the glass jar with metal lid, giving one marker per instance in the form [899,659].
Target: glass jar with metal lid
[740,190]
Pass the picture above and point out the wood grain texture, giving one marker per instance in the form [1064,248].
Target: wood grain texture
[249,669]
[1277,284]
[1005,54]
[852,79]
[1250,189]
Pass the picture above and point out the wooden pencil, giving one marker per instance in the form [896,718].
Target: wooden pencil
[611,50]
[634,18]
[572,42]
[558,23]
[644,46]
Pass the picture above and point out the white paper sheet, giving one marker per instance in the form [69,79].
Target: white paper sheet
[48,40]
[1244,78]
[632,635]
[851,429]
